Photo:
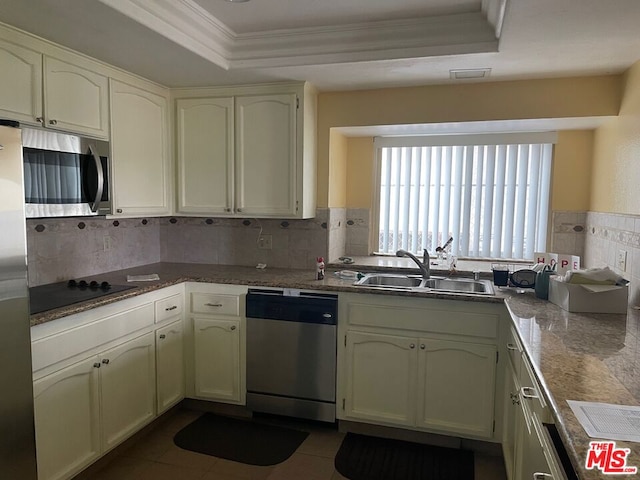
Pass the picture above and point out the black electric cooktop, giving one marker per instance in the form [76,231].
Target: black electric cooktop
[56,295]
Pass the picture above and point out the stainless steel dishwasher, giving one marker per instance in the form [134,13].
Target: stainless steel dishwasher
[291,353]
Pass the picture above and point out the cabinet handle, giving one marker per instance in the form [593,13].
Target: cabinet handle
[53,122]
[233,327]
[96,365]
[511,346]
[412,346]
[163,336]
[528,392]
[170,308]
[515,398]
[40,119]
[541,476]
[422,346]
[105,361]
[213,304]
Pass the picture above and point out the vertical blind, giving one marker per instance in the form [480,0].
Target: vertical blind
[493,199]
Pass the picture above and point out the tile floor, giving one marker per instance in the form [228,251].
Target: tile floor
[155,457]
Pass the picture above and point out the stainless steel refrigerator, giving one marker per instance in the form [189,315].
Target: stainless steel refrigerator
[17,437]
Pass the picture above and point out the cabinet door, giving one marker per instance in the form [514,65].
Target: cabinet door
[205,155]
[381,377]
[217,359]
[169,365]
[128,383]
[139,152]
[266,155]
[67,420]
[456,387]
[75,99]
[511,406]
[20,83]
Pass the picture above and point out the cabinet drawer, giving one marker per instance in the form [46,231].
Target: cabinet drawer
[215,304]
[169,307]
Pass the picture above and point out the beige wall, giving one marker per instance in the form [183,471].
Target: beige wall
[359,172]
[337,170]
[550,98]
[616,166]
[571,177]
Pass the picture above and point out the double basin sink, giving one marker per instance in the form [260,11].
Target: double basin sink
[416,283]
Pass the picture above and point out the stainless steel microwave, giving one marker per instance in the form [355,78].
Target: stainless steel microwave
[65,175]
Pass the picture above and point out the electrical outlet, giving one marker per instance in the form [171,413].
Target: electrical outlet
[106,242]
[622,260]
[265,242]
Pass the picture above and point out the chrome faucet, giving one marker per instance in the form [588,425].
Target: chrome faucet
[425,270]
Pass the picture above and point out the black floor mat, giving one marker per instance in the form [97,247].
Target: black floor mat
[240,440]
[369,458]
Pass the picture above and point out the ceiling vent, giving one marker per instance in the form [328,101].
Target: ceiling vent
[469,73]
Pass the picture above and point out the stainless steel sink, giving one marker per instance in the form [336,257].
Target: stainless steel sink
[394,281]
[390,280]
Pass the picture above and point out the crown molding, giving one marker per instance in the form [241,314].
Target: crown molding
[189,25]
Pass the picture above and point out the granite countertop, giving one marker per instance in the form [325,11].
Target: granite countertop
[588,357]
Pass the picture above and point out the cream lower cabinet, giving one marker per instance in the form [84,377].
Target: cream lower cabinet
[89,407]
[423,364]
[217,359]
[170,365]
[420,382]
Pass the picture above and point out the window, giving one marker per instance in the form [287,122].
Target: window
[489,192]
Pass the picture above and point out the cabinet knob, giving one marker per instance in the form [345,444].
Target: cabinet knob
[40,119]
[239,209]
[96,365]
[53,122]
[163,336]
[227,209]
[105,361]
[422,346]
[412,346]
[233,327]
[511,346]
[118,210]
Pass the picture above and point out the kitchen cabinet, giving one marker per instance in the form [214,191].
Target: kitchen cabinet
[140,159]
[170,365]
[97,403]
[20,83]
[67,419]
[217,359]
[75,99]
[215,342]
[415,364]
[527,447]
[249,153]
[95,377]
[38,89]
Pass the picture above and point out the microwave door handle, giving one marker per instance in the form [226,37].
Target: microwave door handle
[100,172]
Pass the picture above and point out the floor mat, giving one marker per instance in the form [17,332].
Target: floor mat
[370,458]
[240,440]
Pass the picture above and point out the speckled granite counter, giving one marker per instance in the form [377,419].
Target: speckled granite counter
[589,357]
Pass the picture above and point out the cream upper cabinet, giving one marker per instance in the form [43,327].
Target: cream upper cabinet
[247,153]
[205,155]
[75,99]
[456,382]
[266,155]
[140,159]
[20,83]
